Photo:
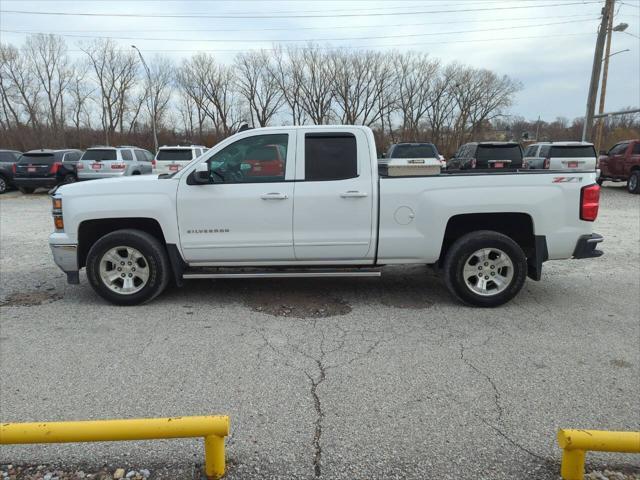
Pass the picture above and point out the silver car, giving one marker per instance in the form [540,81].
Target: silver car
[108,162]
[171,159]
[560,156]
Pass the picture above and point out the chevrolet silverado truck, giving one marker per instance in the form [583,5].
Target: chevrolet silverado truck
[326,213]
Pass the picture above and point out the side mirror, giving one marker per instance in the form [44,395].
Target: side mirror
[201,174]
[384,155]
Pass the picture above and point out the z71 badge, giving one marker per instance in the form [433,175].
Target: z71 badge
[567,180]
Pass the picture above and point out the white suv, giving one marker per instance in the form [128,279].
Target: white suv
[560,156]
[107,162]
[171,159]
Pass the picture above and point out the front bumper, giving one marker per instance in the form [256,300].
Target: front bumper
[66,257]
[586,246]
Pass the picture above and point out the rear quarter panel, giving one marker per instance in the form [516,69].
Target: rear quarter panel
[552,200]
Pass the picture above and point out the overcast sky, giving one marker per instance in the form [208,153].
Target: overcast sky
[546,44]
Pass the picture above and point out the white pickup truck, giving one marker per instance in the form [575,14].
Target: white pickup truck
[308,202]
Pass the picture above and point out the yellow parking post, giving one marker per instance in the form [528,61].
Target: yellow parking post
[576,443]
[213,428]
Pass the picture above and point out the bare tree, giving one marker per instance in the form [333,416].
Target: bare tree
[311,70]
[80,95]
[159,89]
[289,84]
[416,76]
[258,86]
[115,73]
[51,66]
[20,89]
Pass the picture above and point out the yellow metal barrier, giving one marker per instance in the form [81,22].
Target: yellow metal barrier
[212,428]
[577,442]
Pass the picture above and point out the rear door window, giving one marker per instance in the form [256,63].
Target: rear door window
[572,151]
[636,149]
[544,151]
[71,157]
[618,149]
[531,151]
[100,154]
[126,155]
[8,156]
[139,155]
[332,156]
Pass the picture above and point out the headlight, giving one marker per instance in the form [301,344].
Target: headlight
[58,222]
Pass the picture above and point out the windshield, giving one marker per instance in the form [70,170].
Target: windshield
[499,152]
[36,158]
[100,154]
[169,155]
[414,151]
[576,151]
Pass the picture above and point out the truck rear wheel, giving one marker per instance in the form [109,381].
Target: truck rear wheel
[633,184]
[128,267]
[485,268]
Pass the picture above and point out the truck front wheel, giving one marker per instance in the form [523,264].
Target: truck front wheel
[128,267]
[485,268]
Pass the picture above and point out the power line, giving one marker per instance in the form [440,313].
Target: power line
[288,40]
[296,15]
[361,47]
[291,28]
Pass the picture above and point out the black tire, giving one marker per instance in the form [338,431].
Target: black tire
[464,248]
[27,190]
[599,181]
[69,178]
[4,185]
[633,183]
[156,258]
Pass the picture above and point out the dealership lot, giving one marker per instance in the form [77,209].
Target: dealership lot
[349,378]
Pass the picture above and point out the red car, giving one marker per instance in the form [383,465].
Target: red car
[265,161]
[620,163]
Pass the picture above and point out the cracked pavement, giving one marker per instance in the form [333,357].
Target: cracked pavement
[328,378]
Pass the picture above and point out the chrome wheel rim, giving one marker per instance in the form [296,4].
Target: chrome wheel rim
[124,270]
[488,272]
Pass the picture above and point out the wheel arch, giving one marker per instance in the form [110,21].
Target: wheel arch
[516,225]
[89,231]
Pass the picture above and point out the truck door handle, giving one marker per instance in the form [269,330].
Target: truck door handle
[274,196]
[353,194]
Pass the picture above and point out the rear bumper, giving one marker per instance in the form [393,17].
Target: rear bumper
[35,182]
[586,246]
[66,257]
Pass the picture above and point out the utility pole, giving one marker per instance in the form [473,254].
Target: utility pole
[607,12]
[151,96]
[605,71]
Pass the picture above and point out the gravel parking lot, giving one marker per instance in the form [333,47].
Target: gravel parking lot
[334,379]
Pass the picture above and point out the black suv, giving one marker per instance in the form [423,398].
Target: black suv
[487,155]
[45,168]
[8,159]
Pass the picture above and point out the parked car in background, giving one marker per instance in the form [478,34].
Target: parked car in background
[108,162]
[487,155]
[45,168]
[414,150]
[620,163]
[560,156]
[170,159]
[8,159]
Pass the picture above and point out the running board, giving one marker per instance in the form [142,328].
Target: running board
[281,273]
